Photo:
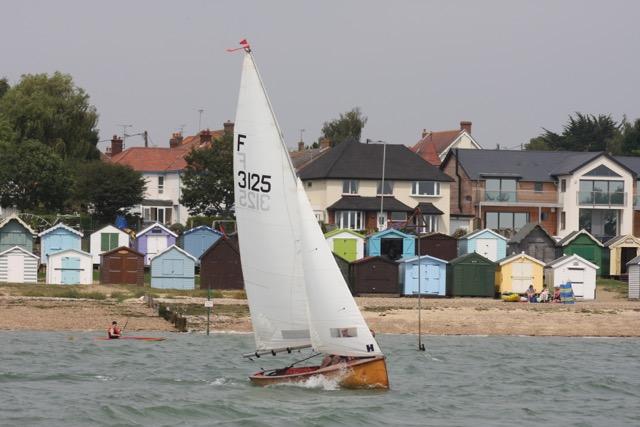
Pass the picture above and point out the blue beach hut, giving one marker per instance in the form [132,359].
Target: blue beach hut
[173,268]
[486,242]
[198,239]
[15,232]
[391,243]
[432,272]
[58,238]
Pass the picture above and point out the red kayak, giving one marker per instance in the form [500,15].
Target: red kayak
[131,338]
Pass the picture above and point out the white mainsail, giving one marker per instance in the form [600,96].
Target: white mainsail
[267,220]
[297,295]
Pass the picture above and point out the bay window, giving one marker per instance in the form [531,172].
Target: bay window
[350,219]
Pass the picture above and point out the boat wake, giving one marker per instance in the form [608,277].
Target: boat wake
[317,382]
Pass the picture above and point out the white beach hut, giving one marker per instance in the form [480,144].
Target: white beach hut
[105,240]
[18,265]
[69,267]
[576,270]
[633,269]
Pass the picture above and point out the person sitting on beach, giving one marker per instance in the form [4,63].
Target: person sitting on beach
[531,294]
[114,331]
[544,295]
[556,294]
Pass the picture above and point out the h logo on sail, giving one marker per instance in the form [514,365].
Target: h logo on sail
[369,348]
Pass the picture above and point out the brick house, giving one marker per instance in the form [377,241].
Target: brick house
[434,146]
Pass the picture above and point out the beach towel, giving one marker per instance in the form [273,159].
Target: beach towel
[566,294]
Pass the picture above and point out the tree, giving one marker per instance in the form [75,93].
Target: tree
[630,138]
[110,189]
[348,126]
[55,112]
[32,176]
[4,86]
[585,132]
[208,179]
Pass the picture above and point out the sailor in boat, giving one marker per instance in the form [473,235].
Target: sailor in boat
[114,332]
[333,359]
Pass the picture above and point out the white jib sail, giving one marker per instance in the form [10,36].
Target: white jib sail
[267,220]
[336,324]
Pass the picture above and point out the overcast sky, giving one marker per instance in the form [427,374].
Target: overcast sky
[511,67]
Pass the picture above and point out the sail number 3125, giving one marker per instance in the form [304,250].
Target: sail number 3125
[254,181]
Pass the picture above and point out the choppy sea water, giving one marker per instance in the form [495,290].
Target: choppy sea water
[195,380]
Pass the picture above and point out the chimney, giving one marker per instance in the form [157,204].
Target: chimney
[205,136]
[116,145]
[228,127]
[424,133]
[325,143]
[301,146]
[176,140]
[465,126]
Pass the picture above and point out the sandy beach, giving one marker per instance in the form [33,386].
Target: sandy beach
[610,315]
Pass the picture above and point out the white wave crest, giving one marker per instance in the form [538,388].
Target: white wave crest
[218,381]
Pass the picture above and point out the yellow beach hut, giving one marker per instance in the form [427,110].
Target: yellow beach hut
[517,272]
[622,249]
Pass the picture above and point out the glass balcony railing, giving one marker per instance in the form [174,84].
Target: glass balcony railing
[601,198]
[500,196]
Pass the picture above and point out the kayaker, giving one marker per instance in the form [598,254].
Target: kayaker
[114,331]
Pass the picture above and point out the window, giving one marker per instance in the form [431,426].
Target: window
[500,190]
[563,220]
[602,223]
[350,186]
[350,219]
[160,184]
[506,220]
[563,185]
[601,192]
[398,216]
[428,224]
[537,187]
[425,188]
[388,188]
[154,214]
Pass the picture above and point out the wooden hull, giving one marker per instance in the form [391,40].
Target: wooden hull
[358,373]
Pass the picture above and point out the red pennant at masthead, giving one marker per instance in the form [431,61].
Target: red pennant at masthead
[244,45]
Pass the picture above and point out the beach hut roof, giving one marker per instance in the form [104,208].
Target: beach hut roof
[514,257]
[622,239]
[21,250]
[528,228]
[231,239]
[342,230]
[109,226]
[436,234]
[126,248]
[413,258]
[393,231]
[78,251]
[635,260]
[152,226]
[16,218]
[60,225]
[201,227]
[478,232]
[575,234]
[178,249]
[470,255]
[568,258]
[373,258]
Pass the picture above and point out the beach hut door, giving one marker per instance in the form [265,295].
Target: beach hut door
[15,264]
[70,270]
[346,248]
[576,277]
[155,245]
[521,277]
[431,273]
[488,248]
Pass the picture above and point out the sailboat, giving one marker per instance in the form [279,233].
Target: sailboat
[297,296]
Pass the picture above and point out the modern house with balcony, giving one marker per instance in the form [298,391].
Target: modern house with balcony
[563,191]
[345,187]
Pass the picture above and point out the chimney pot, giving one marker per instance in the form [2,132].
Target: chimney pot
[325,143]
[301,146]
[205,136]
[176,139]
[465,126]
[116,145]
[228,127]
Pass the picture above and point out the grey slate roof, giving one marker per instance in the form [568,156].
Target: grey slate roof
[566,239]
[527,165]
[359,203]
[352,159]
[429,209]
[528,228]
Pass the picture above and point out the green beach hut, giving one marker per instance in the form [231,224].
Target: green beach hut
[471,275]
[346,243]
[588,247]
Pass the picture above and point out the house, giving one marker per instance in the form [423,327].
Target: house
[153,240]
[106,239]
[346,243]
[69,267]
[487,243]
[18,265]
[588,247]
[122,265]
[563,191]
[437,245]
[220,266]
[57,238]
[173,268]
[575,270]
[15,232]
[424,275]
[391,243]
[519,271]
[633,270]
[345,187]
[434,146]
[471,275]
[535,241]
[374,275]
[161,168]
[197,240]
[622,249]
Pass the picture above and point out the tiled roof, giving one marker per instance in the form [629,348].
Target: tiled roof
[153,159]
[427,208]
[352,159]
[302,158]
[434,143]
